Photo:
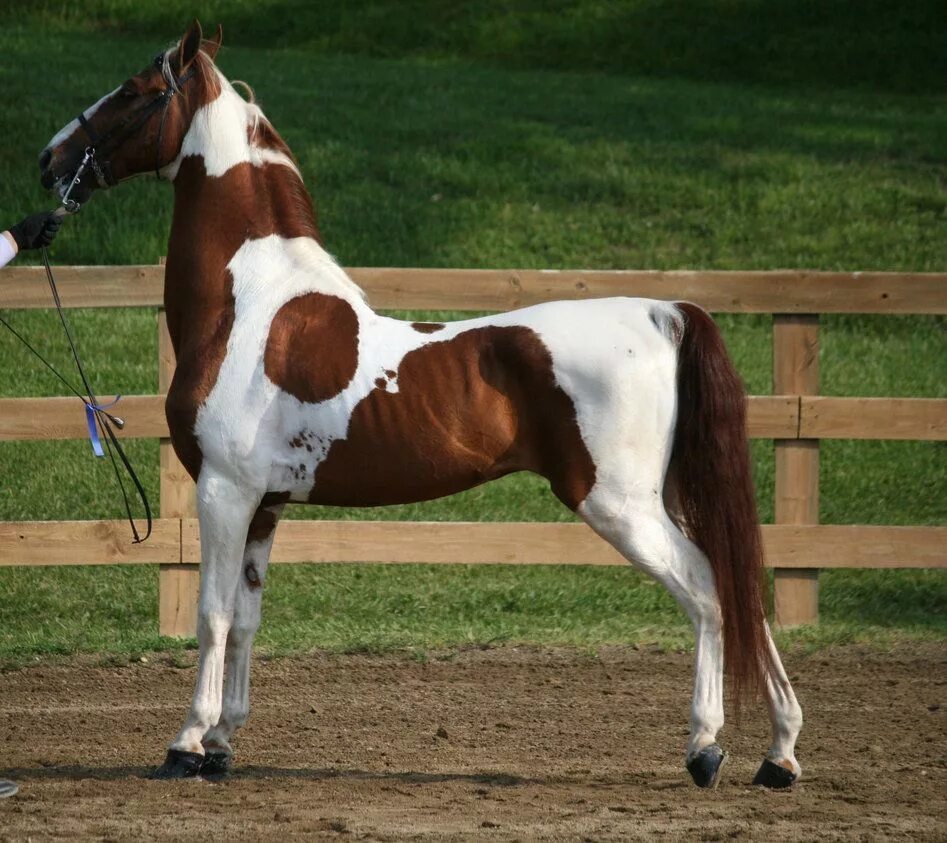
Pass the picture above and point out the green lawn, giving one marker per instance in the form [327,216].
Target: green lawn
[591,134]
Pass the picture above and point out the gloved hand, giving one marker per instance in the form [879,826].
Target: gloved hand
[36,230]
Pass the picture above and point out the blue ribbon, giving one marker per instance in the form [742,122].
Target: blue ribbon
[90,411]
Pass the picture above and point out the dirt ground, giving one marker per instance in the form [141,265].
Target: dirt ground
[501,744]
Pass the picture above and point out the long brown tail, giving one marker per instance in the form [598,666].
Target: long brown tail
[711,467]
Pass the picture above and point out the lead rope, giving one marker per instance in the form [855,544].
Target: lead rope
[97,416]
[106,422]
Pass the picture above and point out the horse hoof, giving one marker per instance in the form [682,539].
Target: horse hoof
[179,765]
[706,765]
[216,765]
[774,776]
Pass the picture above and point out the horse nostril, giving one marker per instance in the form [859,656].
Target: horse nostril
[44,159]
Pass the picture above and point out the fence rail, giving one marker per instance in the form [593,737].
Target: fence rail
[176,542]
[795,417]
[769,417]
[779,291]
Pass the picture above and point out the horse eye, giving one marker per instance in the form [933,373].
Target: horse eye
[128,92]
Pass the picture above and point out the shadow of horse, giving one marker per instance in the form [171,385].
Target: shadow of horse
[258,772]
[665,780]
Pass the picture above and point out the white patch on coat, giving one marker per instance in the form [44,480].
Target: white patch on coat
[69,129]
[219,133]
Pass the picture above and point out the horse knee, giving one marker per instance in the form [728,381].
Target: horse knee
[213,627]
[242,632]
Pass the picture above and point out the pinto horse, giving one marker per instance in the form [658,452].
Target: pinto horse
[290,388]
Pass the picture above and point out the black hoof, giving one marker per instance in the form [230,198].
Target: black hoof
[216,764]
[706,765]
[774,776]
[179,765]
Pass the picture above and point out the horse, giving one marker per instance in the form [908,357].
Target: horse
[290,388]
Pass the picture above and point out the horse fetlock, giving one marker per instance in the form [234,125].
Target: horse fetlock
[216,740]
[703,736]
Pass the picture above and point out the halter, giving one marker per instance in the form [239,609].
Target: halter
[121,131]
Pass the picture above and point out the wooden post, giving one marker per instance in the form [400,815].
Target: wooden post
[178,585]
[796,372]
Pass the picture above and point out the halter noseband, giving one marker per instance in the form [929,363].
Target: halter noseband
[123,130]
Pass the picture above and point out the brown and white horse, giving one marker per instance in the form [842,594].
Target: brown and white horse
[289,388]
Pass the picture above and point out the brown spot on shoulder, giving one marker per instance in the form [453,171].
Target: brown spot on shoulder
[312,349]
[427,327]
[198,285]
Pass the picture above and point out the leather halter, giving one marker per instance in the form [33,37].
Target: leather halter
[121,132]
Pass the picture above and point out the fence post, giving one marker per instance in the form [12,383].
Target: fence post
[177,584]
[796,372]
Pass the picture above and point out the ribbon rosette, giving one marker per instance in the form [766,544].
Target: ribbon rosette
[90,413]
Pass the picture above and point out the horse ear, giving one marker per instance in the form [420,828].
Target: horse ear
[190,46]
[213,45]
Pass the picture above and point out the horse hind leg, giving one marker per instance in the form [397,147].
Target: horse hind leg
[780,768]
[644,534]
[235,708]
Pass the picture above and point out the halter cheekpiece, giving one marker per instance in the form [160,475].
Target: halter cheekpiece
[121,131]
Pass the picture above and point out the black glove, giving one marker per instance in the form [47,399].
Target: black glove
[36,230]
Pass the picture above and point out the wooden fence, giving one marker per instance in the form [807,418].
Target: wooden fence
[795,417]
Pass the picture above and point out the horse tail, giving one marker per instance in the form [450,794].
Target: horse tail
[710,463]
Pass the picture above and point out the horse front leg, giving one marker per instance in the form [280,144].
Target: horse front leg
[224,509]
[218,754]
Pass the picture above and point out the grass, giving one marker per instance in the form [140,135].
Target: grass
[370,608]
[590,134]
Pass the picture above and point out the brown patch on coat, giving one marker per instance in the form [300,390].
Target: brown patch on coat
[263,135]
[252,575]
[213,217]
[274,499]
[312,349]
[427,327]
[468,410]
[261,527]
[262,524]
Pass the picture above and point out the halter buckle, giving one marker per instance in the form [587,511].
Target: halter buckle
[71,205]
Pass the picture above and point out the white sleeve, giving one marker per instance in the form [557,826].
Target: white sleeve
[7,251]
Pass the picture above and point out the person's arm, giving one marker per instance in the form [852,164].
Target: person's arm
[31,233]
[8,248]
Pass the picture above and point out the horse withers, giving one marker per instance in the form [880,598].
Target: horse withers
[290,388]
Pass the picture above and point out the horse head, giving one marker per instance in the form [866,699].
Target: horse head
[137,128]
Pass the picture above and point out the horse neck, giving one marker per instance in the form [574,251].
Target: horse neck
[234,181]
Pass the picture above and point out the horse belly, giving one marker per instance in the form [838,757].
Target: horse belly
[411,446]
